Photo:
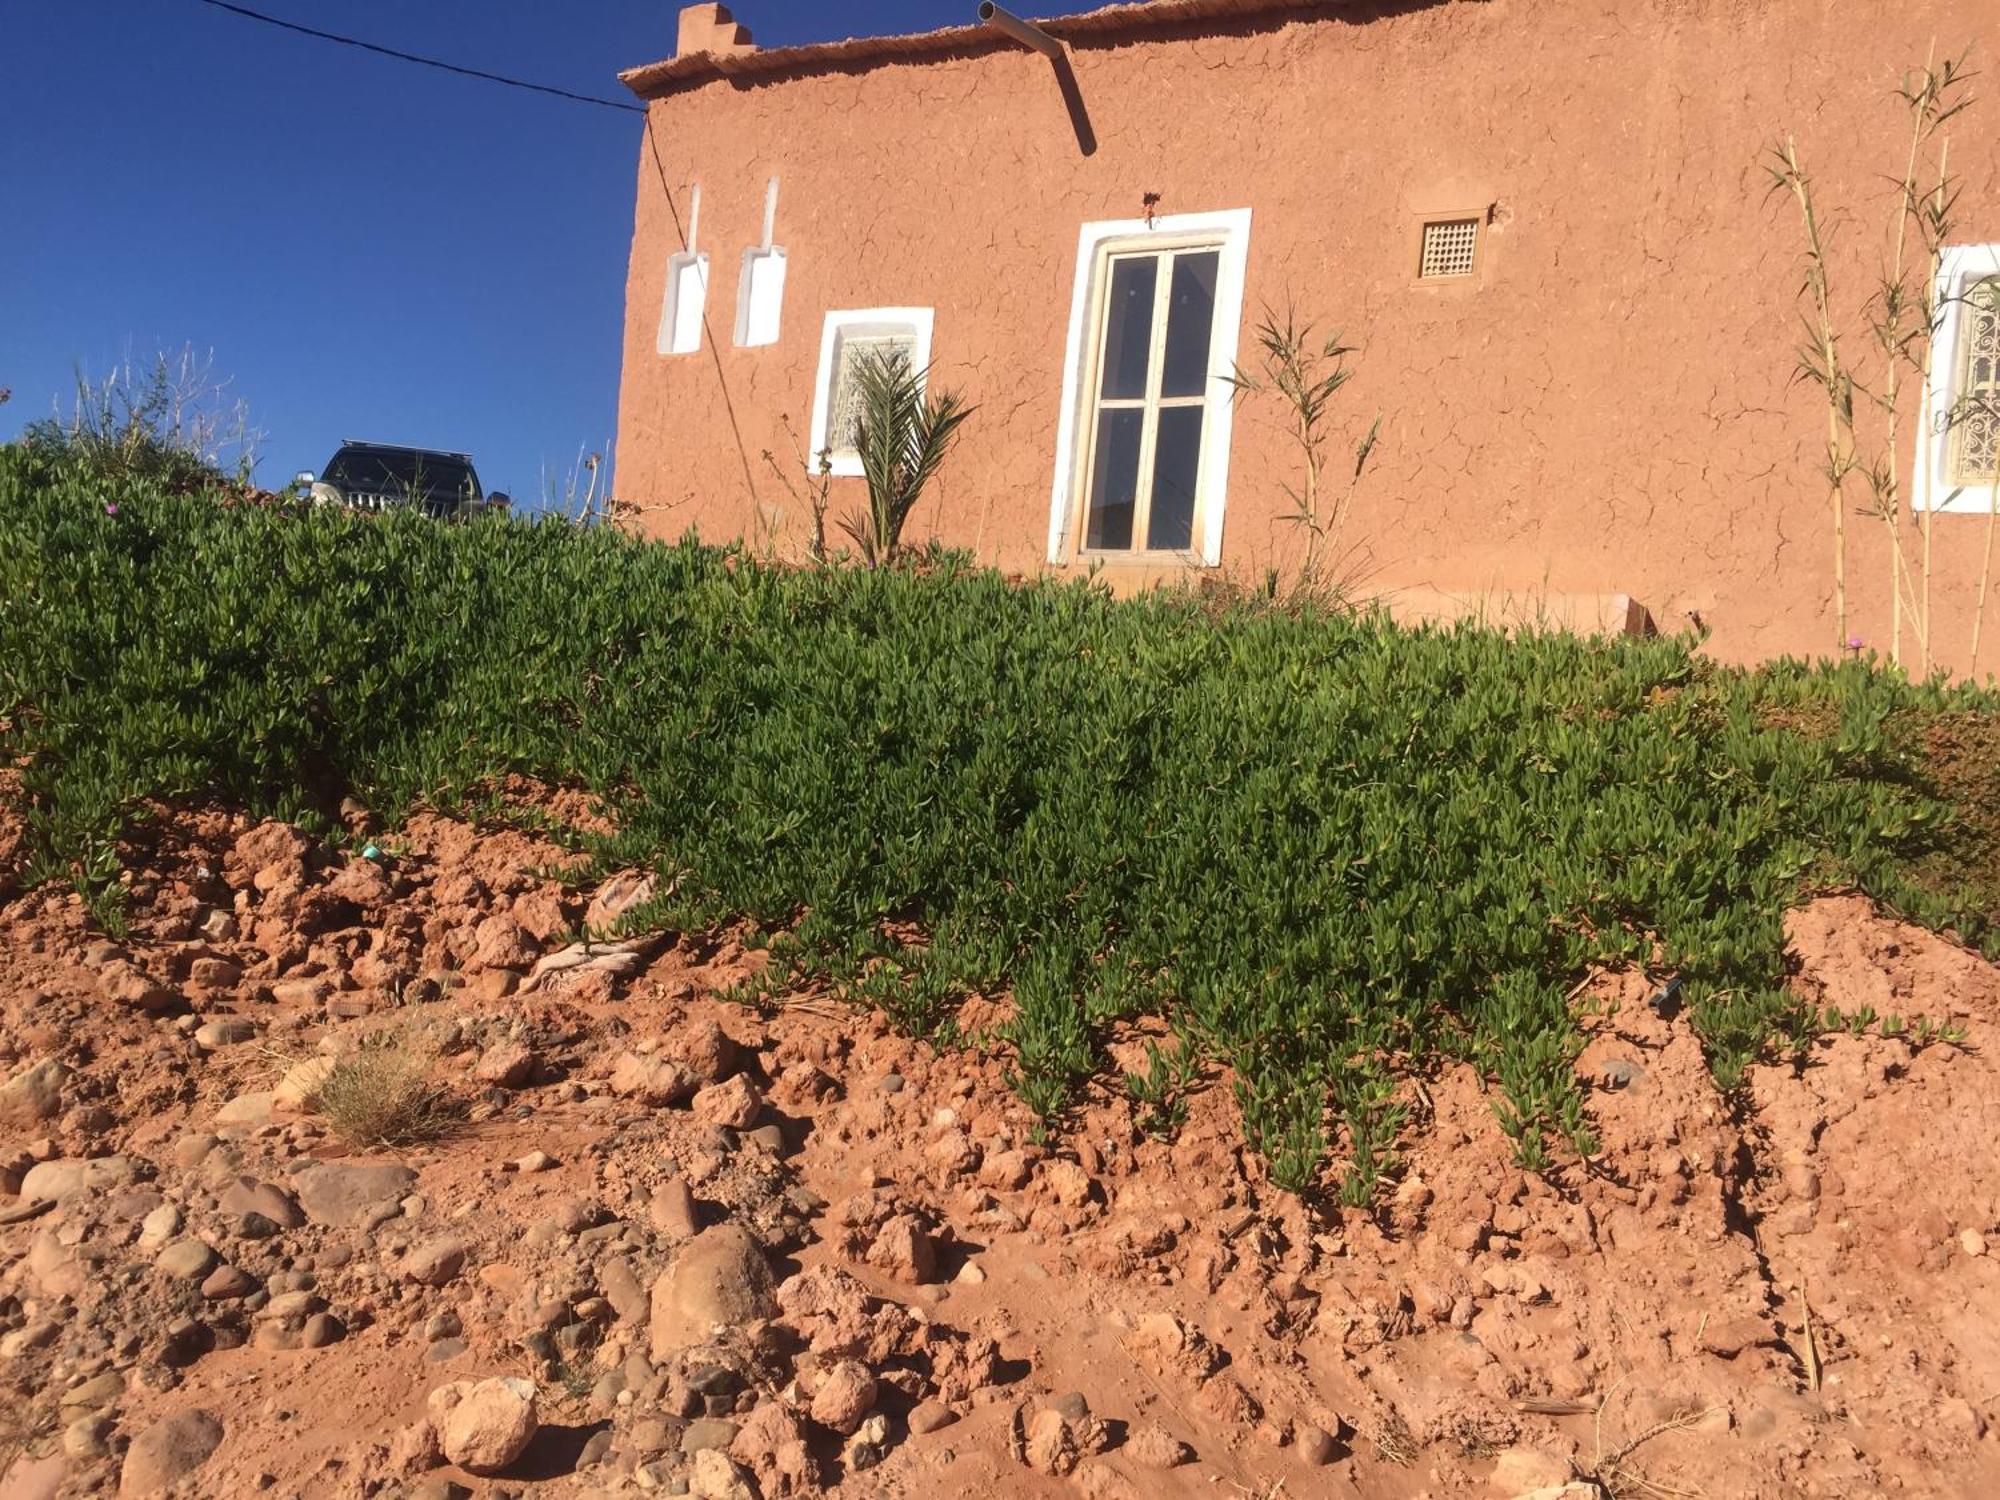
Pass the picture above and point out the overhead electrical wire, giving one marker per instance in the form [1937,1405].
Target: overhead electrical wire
[427,62]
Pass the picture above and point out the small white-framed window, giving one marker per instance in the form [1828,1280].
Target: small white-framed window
[1142,446]
[900,332]
[1958,451]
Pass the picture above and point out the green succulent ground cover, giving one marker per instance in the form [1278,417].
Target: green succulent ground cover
[1328,850]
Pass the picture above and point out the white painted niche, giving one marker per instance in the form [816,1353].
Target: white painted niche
[687,290]
[760,293]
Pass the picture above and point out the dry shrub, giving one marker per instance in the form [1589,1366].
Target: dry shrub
[385,1094]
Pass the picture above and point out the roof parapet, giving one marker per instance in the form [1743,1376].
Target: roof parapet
[712,29]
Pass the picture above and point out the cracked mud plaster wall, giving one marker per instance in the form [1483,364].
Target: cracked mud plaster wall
[1611,409]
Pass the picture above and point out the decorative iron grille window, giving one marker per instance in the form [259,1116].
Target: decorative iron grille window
[1975,418]
[844,426]
[1448,249]
[901,333]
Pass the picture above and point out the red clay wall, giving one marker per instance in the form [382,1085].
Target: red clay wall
[1611,409]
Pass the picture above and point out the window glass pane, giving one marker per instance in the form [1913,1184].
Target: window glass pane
[1176,464]
[1114,479]
[1128,326]
[1190,319]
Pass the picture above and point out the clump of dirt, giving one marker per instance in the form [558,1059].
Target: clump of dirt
[665,1243]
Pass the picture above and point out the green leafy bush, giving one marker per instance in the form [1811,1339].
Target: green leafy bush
[1330,850]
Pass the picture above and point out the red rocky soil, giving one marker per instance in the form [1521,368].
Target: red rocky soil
[686,1247]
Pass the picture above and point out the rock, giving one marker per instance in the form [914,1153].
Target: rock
[1047,1445]
[52,1181]
[708,1432]
[225,1031]
[299,1089]
[168,1451]
[650,1080]
[903,1247]
[343,1196]
[845,1396]
[713,1477]
[250,1109]
[773,1446]
[503,943]
[673,1211]
[534,1161]
[734,1102]
[88,1436]
[435,1263]
[486,1424]
[1067,1183]
[1725,1338]
[508,1064]
[869,1445]
[271,855]
[246,1196]
[719,1278]
[930,1416]
[1521,1469]
[622,1288]
[125,984]
[953,1153]
[226,1283]
[704,1049]
[97,1392]
[303,994]
[1005,1170]
[321,1329]
[187,1261]
[160,1226]
[1153,1447]
[1972,1242]
[362,882]
[1316,1446]
[34,1094]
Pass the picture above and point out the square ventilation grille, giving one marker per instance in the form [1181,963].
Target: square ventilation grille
[1448,249]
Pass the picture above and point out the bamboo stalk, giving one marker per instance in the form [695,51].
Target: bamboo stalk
[1985,564]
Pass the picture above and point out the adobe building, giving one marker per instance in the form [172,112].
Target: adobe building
[1548,230]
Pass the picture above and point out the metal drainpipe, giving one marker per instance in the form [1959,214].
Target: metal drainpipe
[1025,32]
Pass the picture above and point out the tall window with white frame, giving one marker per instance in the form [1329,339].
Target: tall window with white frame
[1152,390]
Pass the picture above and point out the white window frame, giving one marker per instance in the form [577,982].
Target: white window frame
[866,322]
[1958,268]
[1229,231]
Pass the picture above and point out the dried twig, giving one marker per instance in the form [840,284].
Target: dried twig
[1811,1353]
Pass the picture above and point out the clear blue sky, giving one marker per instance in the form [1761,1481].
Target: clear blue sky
[369,249]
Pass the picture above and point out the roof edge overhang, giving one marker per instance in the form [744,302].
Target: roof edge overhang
[677,74]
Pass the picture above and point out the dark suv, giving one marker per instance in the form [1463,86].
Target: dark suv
[382,476]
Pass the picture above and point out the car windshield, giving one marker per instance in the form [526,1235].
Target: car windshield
[427,475]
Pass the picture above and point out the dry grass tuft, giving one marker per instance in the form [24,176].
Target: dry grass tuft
[385,1094]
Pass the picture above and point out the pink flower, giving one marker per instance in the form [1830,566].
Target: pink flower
[1854,643]
[111,508]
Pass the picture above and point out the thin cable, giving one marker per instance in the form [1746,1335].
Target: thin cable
[428,62]
[707,328]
